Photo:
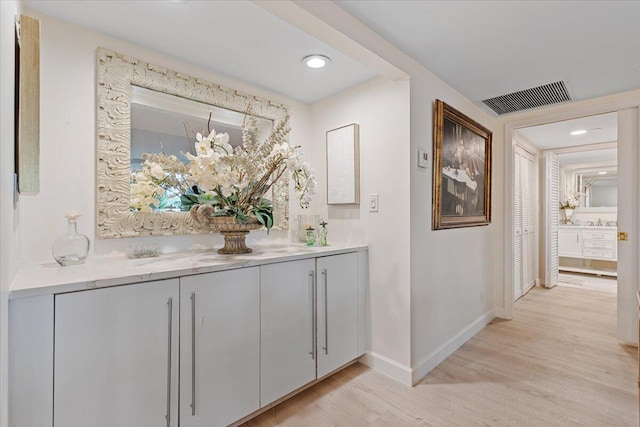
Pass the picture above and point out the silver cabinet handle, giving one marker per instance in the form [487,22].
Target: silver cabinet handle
[169,345]
[313,320]
[193,353]
[326,312]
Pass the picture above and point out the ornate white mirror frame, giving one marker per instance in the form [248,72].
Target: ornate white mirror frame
[116,74]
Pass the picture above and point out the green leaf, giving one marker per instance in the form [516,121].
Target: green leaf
[207,199]
[188,200]
[261,218]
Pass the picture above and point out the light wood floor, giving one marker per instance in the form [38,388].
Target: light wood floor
[556,364]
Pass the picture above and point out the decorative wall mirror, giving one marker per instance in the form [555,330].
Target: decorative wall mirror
[599,187]
[145,108]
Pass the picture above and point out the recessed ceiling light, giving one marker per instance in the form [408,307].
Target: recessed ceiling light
[602,173]
[316,61]
[578,132]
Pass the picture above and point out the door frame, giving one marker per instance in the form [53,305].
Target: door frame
[607,104]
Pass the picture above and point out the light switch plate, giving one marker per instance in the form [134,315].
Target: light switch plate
[373,202]
[423,158]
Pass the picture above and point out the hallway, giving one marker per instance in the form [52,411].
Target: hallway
[557,363]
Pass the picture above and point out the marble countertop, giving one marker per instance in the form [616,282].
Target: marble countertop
[590,227]
[98,272]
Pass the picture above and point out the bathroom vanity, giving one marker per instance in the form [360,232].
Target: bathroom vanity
[591,249]
[189,339]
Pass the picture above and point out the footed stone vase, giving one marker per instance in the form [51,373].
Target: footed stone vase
[234,232]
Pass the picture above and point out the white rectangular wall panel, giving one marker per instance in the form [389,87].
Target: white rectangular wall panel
[343,165]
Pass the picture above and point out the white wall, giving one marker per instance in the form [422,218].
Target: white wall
[381,108]
[9,242]
[449,303]
[454,272]
[67,144]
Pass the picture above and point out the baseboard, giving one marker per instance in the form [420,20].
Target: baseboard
[499,312]
[433,359]
[388,367]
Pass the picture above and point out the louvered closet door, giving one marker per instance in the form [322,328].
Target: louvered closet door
[531,211]
[525,201]
[524,216]
[517,226]
[553,218]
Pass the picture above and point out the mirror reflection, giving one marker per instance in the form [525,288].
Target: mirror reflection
[601,188]
[589,178]
[165,123]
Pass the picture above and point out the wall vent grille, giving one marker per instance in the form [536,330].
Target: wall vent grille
[552,93]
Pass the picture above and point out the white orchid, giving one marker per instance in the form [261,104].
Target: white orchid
[156,171]
[235,181]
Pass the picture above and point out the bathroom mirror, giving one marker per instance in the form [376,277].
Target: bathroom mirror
[601,188]
[145,108]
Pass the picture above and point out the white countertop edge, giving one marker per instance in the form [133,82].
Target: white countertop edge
[590,227]
[101,272]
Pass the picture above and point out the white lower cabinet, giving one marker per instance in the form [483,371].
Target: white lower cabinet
[201,350]
[219,347]
[287,306]
[569,244]
[337,311]
[309,321]
[587,243]
[116,356]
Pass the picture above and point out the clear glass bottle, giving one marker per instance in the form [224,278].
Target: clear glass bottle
[323,234]
[71,248]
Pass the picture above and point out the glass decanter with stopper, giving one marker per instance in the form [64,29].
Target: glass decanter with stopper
[71,248]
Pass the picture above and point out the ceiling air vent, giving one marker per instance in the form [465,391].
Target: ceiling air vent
[548,94]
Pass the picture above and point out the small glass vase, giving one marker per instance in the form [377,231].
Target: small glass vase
[323,234]
[311,236]
[71,248]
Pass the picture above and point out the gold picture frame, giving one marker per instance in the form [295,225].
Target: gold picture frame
[461,170]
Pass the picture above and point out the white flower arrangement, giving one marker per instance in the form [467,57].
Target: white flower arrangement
[573,199]
[233,181]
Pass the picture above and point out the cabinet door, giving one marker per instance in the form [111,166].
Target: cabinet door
[287,328]
[116,356]
[337,296]
[569,243]
[220,320]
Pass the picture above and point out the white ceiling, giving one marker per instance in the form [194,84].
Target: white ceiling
[235,38]
[481,48]
[605,156]
[490,48]
[601,128]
